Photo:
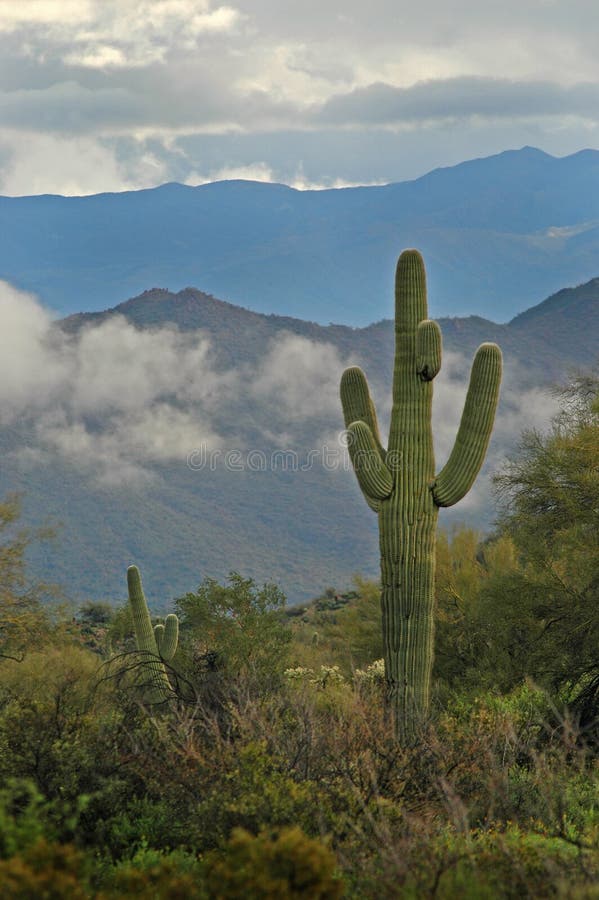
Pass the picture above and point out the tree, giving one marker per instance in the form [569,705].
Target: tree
[236,627]
[551,512]
[484,629]
[524,601]
[23,620]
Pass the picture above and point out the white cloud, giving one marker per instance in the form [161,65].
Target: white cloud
[30,368]
[101,56]
[260,171]
[300,377]
[160,70]
[120,368]
[74,166]
[123,448]
[113,399]
[116,400]
[45,12]
[107,34]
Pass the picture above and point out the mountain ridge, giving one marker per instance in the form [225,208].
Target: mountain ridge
[575,308]
[496,233]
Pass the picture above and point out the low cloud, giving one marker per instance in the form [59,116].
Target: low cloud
[300,378]
[112,398]
[32,368]
[117,401]
[79,165]
[260,171]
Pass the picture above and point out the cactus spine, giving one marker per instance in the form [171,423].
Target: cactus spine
[400,484]
[158,644]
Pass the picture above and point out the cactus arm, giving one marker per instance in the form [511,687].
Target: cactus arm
[429,347]
[374,477]
[358,405]
[159,635]
[457,476]
[170,637]
[375,505]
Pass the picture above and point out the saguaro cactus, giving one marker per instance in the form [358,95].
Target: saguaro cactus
[400,484]
[158,644]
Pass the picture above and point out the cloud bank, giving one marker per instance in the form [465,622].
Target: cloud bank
[117,400]
[120,403]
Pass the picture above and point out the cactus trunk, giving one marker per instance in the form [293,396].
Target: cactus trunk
[407,601]
[400,484]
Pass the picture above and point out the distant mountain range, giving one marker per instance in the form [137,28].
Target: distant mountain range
[305,528]
[496,234]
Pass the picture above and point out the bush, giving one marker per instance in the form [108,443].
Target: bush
[44,870]
[155,875]
[240,627]
[273,866]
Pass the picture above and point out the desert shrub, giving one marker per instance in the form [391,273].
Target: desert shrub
[157,875]
[23,816]
[44,710]
[44,870]
[273,866]
[432,859]
[256,789]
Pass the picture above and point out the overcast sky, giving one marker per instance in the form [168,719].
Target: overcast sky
[104,95]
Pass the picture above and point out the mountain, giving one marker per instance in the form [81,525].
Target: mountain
[496,234]
[551,338]
[302,525]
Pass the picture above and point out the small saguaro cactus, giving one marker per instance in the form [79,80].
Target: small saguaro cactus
[400,485]
[158,644]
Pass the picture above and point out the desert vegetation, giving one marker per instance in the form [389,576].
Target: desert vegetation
[267,766]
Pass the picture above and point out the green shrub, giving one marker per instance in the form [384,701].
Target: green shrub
[273,866]
[23,816]
[155,875]
[255,790]
[44,870]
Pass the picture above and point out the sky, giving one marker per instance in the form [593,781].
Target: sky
[112,95]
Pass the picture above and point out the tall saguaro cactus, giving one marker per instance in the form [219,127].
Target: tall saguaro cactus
[400,484]
[158,644]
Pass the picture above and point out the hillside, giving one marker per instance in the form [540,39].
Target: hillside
[120,486]
[496,233]
[552,336]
